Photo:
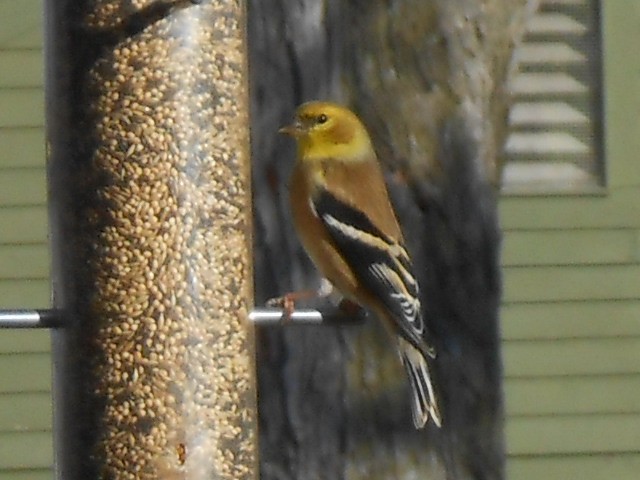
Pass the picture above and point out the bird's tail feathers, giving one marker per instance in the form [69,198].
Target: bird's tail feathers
[423,402]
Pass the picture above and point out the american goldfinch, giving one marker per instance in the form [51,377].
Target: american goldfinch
[342,213]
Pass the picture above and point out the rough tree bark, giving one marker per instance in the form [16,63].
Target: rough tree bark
[429,79]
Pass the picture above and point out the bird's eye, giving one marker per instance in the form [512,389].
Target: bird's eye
[322,118]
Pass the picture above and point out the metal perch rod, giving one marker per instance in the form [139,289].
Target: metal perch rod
[259,316]
[29,319]
[273,316]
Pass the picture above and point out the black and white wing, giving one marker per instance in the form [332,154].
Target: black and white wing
[381,263]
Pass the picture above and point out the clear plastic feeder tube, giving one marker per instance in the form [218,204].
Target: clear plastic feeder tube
[151,224]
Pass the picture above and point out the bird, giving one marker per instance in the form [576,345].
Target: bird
[343,216]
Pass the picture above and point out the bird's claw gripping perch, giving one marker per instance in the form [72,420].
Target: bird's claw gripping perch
[287,302]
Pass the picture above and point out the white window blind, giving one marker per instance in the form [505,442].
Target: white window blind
[555,134]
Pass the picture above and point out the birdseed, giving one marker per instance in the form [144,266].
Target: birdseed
[167,219]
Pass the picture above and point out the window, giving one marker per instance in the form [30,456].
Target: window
[555,142]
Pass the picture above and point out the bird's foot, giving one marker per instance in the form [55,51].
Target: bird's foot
[352,309]
[287,303]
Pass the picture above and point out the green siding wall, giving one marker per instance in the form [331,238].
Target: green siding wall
[25,363]
[571,315]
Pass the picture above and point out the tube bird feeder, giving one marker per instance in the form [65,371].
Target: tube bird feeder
[150,213]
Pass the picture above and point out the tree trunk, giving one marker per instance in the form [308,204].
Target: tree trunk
[429,79]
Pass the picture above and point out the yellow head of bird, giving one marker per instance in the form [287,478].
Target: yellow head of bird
[328,130]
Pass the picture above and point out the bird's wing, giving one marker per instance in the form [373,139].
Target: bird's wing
[380,262]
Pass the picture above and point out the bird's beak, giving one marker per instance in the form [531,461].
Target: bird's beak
[295,129]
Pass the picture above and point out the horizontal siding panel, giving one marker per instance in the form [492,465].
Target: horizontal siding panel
[618,210]
[30,474]
[25,411]
[570,320]
[24,261]
[28,38]
[22,147]
[572,357]
[557,247]
[25,28]
[22,450]
[26,224]
[23,187]
[25,340]
[570,396]
[572,467]
[528,284]
[22,107]
[33,293]
[25,372]
[21,68]
[573,434]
